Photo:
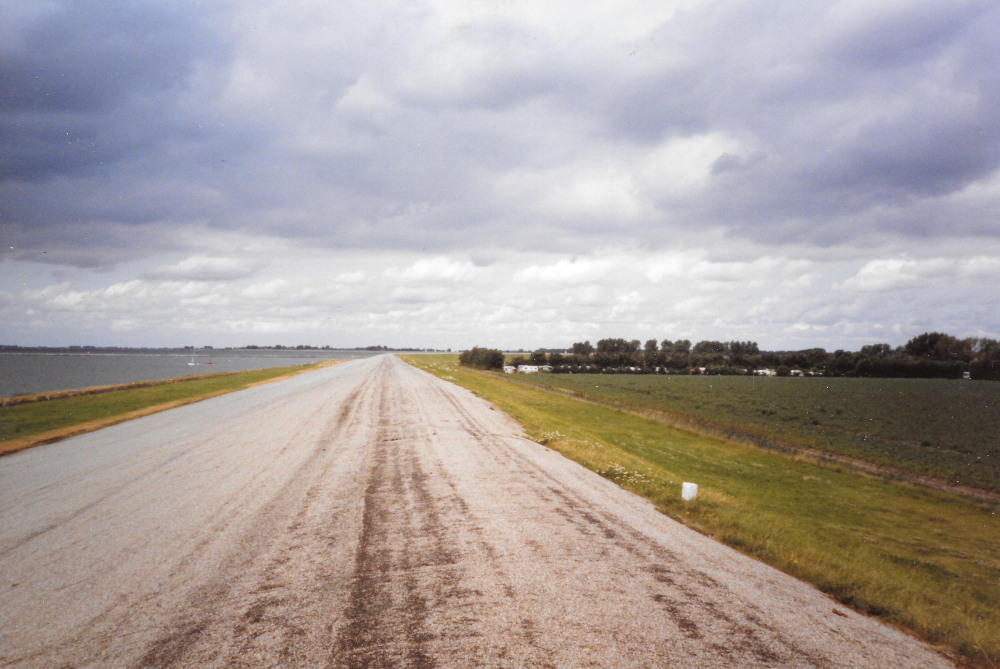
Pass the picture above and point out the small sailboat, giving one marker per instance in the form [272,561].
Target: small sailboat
[192,363]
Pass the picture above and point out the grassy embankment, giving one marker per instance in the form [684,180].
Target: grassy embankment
[925,560]
[35,420]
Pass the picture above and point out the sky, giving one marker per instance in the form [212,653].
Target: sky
[508,173]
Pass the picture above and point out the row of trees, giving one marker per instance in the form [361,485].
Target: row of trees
[484,358]
[930,355]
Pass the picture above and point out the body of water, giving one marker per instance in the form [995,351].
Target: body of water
[23,373]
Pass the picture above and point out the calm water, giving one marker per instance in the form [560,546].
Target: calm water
[22,373]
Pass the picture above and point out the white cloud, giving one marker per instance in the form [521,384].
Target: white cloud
[781,301]
[126,324]
[682,166]
[365,102]
[578,270]
[980,266]
[898,273]
[350,277]
[435,269]
[204,268]
[672,265]
[267,290]
[627,305]
[589,190]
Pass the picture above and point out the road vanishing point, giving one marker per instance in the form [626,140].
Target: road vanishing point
[372,515]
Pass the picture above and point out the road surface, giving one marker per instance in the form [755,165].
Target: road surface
[371,515]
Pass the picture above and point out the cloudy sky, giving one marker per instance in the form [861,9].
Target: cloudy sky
[510,173]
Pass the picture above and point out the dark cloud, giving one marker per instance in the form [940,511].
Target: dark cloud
[90,55]
[905,35]
[891,160]
[845,112]
[90,83]
[96,245]
[351,127]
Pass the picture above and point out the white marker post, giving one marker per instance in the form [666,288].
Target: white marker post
[689,491]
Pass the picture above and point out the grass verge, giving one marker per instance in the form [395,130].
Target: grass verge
[51,417]
[922,428]
[923,560]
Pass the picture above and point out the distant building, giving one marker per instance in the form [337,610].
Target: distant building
[764,372]
[796,372]
[509,369]
[527,369]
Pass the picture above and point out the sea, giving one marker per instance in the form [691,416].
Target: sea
[28,373]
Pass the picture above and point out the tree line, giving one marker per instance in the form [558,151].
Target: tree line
[930,355]
[483,358]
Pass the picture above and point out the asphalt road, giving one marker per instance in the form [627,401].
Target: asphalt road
[370,515]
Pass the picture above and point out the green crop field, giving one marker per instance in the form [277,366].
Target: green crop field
[946,429]
[925,560]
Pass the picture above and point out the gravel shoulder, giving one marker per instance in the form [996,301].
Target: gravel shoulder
[371,515]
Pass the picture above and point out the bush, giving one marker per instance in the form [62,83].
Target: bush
[484,358]
[908,369]
[987,370]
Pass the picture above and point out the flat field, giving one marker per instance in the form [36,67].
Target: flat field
[945,429]
[925,560]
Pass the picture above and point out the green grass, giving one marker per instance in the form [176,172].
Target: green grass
[24,421]
[925,560]
[930,427]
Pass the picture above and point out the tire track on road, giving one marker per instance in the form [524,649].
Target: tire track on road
[393,520]
[407,566]
[691,598]
[255,618]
